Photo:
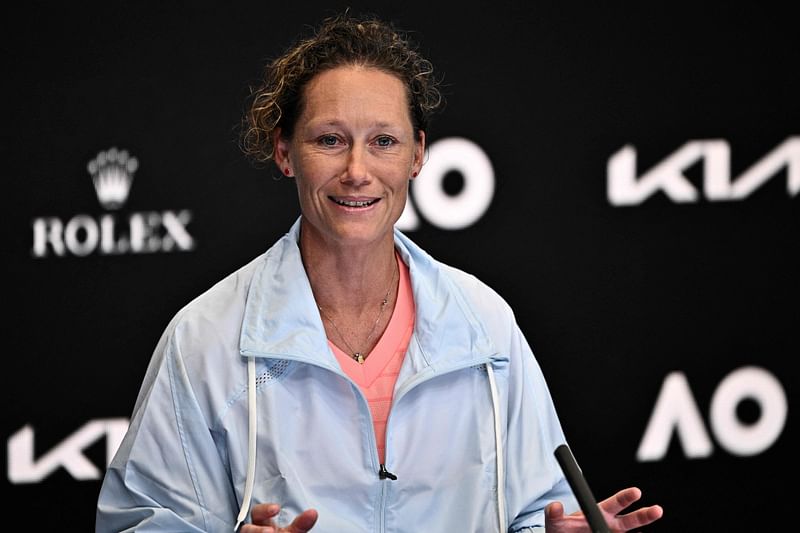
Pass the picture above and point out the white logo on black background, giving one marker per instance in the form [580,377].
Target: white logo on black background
[625,188]
[450,210]
[676,413]
[113,233]
[112,173]
[24,467]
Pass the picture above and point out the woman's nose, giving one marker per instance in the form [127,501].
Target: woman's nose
[357,172]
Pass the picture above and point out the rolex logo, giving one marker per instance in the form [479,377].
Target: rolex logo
[112,174]
[113,233]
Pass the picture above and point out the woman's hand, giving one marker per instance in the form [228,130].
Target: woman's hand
[263,513]
[555,521]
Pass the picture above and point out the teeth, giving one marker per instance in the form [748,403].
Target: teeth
[359,203]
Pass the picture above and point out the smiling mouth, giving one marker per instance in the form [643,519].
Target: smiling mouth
[355,203]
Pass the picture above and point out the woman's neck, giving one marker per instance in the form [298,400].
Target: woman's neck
[350,279]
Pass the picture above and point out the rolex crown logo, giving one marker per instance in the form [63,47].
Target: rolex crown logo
[112,174]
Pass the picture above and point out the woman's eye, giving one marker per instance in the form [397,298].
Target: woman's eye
[328,140]
[384,141]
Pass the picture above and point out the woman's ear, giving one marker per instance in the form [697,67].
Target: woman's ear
[281,155]
[419,155]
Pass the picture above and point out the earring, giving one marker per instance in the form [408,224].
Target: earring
[414,174]
[287,171]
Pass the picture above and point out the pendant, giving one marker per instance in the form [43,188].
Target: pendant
[359,357]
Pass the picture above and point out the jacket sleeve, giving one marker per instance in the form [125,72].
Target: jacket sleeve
[168,474]
[534,477]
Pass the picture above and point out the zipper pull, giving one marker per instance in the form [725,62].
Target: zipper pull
[383,473]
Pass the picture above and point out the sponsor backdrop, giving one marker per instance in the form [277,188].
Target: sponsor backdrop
[626,175]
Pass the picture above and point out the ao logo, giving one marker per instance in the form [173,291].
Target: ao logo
[676,411]
[446,211]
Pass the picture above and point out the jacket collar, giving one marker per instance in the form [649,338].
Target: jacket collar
[281,319]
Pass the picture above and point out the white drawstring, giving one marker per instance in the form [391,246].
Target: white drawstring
[251,442]
[498,437]
[251,446]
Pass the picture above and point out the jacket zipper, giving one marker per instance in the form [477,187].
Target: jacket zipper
[383,473]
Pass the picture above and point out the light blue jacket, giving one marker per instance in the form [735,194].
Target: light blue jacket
[244,403]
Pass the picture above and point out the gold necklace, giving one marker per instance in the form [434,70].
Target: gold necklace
[358,355]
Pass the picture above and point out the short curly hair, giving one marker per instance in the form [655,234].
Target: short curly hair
[339,40]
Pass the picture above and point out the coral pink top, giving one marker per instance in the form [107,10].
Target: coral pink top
[377,375]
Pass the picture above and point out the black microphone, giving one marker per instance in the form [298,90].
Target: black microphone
[593,514]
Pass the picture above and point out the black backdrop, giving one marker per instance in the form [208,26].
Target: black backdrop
[615,298]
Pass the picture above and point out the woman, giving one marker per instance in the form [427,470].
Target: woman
[345,380]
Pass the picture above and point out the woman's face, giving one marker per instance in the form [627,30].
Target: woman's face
[352,154]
